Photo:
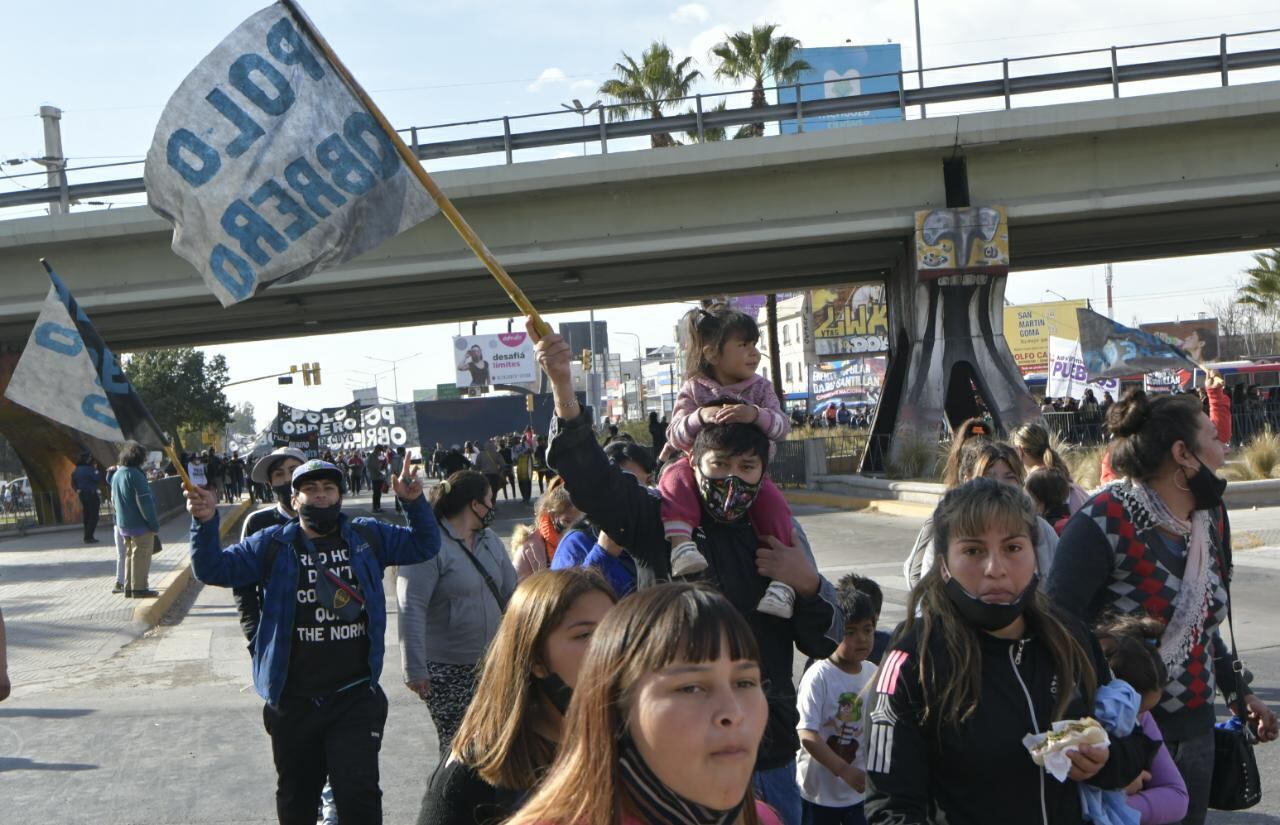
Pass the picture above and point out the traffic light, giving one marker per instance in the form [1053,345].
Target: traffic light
[310,374]
[586,360]
[528,403]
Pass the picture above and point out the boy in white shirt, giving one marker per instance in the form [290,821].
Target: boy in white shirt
[831,764]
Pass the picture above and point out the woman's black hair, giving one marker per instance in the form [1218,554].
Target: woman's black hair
[1143,431]
[713,327]
[457,492]
[620,451]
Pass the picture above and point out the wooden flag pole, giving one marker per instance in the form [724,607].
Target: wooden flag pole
[513,290]
[177,463]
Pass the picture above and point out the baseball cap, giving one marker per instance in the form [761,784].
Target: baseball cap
[315,468]
[261,472]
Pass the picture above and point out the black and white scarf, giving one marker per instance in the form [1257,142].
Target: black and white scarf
[658,804]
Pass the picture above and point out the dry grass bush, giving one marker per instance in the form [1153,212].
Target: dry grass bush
[1257,460]
[917,457]
[1085,464]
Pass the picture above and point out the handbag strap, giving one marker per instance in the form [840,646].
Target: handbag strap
[1224,574]
[484,574]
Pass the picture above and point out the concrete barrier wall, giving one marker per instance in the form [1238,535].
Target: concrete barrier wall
[1239,495]
[167,495]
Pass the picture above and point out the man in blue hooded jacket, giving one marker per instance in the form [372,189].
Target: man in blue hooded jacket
[319,647]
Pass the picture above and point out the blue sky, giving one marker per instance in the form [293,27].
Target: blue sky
[112,66]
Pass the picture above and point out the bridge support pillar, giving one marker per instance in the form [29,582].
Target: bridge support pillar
[946,350]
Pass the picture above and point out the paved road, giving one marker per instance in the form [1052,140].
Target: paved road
[168,729]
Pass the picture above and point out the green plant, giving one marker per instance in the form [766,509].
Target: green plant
[914,456]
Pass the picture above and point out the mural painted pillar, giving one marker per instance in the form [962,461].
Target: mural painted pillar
[947,348]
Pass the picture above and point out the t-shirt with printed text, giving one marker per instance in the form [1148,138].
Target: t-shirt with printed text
[328,653]
[831,703]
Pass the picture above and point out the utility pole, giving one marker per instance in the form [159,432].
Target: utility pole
[1110,307]
[919,59]
[53,159]
[775,352]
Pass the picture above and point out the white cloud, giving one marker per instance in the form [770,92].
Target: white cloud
[547,78]
[691,13]
[584,85]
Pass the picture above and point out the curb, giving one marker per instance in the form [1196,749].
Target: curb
[886,506]
[149,615]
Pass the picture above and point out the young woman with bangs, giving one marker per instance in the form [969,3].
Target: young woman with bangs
[665,722]
[510,733]
[983,660]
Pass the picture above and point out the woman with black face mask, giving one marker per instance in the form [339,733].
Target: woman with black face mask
[982,661]
[450,607]
[1158,543]
[510,733]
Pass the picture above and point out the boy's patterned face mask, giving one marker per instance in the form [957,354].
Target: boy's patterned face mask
[728,498]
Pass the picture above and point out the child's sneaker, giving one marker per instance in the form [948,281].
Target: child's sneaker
[686,560]
[778,600]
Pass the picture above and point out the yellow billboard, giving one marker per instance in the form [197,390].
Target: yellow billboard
[1028,327]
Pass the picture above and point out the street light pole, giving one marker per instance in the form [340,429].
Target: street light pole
[919,59]
[584,111]
[1059,294]
[640,366]
[395,378]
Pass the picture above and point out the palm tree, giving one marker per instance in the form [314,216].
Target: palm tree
[710,134]
[1263,288]
[753,56]
[647,87]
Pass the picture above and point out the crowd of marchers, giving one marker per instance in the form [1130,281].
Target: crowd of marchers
[1060,660]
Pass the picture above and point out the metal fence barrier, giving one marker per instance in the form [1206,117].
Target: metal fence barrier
[30,510]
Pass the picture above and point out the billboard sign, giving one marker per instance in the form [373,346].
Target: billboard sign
[850,320]
[844,71]
[856,381]
[1198,338]
[1028,327]
[970,239]
[485,360]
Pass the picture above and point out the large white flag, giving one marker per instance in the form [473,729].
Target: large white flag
[1068,377]
[269,167]
[69,374]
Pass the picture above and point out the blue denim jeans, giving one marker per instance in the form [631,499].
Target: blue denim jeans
[777,788]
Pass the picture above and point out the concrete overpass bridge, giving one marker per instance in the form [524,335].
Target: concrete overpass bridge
[1152,176]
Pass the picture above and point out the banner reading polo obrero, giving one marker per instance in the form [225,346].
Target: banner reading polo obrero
[1068,377]
[69,374]
[270,168]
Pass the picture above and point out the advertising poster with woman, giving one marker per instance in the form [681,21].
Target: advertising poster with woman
[486,360]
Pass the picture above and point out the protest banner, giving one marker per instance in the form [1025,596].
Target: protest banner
[1197,338]
[855,382]
[1068,377]
[1112,350]
[69,374]
[233,164]
[346,428]
[1161,382]
[485,360]
[850,320]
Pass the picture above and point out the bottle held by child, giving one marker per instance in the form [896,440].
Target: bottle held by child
[722,387]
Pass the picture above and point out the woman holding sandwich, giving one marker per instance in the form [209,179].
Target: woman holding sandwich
[983,661]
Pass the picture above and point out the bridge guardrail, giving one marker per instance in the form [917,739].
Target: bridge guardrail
[613,125]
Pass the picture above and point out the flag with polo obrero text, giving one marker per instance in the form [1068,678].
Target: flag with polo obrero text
[270,168]
[69,374]
[1112,350]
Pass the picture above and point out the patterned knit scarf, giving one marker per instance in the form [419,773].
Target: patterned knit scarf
[1194,593]
[659,805]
